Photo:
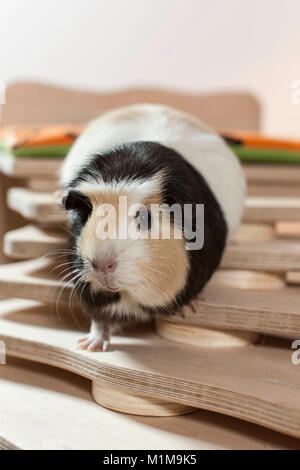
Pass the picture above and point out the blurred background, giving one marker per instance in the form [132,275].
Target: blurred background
[192,46]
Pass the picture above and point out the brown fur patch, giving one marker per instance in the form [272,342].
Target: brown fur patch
[164,273]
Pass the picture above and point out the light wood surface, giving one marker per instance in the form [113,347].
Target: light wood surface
[248,279]
[274,255]
[31,103]
[253,233]
[32,241]
[184,333]
[268,310]
[287,229]
[37,279]
[293,277]
[42,184]
[29,167]
[279,175]
[8,219]
[275,190]
[116,399]
[257,383]
[268,210]
[31,394]
[37,206]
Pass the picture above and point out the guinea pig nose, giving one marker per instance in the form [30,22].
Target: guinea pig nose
[107,266]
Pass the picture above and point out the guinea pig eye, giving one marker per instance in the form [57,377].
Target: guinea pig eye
[143,217]
[78,202]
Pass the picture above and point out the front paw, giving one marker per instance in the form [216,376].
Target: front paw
[93,343]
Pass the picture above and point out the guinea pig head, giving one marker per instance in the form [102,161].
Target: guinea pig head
[128,242]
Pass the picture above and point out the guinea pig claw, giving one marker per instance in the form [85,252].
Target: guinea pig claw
[93,344]
[193,306]
[97,339]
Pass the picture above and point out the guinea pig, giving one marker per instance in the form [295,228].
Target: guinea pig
[146,156]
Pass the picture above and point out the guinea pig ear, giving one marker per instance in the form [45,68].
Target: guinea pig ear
[75,200]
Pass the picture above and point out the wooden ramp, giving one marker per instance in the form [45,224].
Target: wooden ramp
[273,310]
[32,420]
[242,382]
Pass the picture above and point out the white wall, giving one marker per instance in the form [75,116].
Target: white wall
[195,45]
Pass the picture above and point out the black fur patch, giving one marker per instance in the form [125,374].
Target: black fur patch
[182,184]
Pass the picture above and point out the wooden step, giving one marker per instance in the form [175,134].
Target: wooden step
[272,209]
[273,310]
[272,255]
[280,175]
[36,279]
[293,278]
[43,207]
[37,206]
[64,417]
[287,230]
[257,383]
[267,190]
[263,255]
[29,167]
[33,242]
[48,185]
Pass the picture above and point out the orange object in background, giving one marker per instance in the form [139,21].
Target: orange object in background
[254,139]
[38,136]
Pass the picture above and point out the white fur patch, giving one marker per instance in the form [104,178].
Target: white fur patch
[198,144]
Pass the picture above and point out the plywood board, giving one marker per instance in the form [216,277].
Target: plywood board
[37,206]
[281,175]
[273,255]
[38,280]
[31,103]
[33,242]
[293,277]
[250,384]
[42,184]
[268,190]
[32,422]
[287,230]
[28,167]
[270,311]
[271,209]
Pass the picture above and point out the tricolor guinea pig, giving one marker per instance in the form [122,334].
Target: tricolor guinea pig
[123,265]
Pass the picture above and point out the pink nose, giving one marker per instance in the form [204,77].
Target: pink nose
[107,266]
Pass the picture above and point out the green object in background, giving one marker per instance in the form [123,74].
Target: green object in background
[265,155]
[50,151]
[245,154]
